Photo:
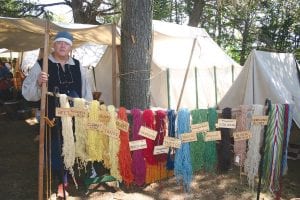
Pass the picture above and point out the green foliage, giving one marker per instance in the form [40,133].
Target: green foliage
[14,8]
[162,9]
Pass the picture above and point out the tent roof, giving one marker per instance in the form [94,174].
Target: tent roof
[266,75]
[173,43]
[20,34]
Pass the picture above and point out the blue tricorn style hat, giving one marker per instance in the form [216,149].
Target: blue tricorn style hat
[64,36]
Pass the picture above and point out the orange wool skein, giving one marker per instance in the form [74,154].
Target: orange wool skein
[124,154]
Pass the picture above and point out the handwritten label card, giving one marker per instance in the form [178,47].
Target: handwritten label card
[242,135]
[212,136]
[189,137]
[137,145]
[202,127]
[114,133]
[122,125]
[172,142]
[147,133]
[79,112]
[161,149]
[63,112]
[260,120]
[226,123]
[104,116]
[95,126]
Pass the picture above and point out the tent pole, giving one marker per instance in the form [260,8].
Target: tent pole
[186,73]
[232,72]
[216,87]
[196,84]
[168,88]
[42,112]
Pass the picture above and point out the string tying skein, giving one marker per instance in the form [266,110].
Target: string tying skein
[68,149]
[138,161]
[183,168]
[124,155]
[114,145]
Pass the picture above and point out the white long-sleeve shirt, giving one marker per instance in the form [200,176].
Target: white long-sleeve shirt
[32,91]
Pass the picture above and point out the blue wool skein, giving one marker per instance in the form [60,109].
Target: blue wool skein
[183,166]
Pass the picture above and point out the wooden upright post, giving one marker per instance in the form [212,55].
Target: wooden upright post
[186,73]
[42,120]
[114,65]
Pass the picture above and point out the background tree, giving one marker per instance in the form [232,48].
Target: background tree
[136,55]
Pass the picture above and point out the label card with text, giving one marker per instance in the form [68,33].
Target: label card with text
[95,126]
[260,120]
[189,137]
[137,145]
[122,125]
[226,123]
[198,128]
[114,133]
[172,142]
[79,112]
[242,135]
[147,133]
[212,136]
[63,112]
[161,149]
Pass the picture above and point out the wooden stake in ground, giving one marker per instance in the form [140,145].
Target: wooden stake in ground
[42,110]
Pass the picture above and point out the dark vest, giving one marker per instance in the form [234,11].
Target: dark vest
[63,82]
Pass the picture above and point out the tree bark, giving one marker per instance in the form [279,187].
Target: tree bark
[136,55]
[196,13]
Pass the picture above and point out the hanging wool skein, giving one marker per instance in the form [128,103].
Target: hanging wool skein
[224,154]
[242,124]
[253,156]
[183,168]
[171,133]
[114,145]
[68,149]
[80,135]
[273,148]
[151,163]
[105,142]
[160,124]
[94,143]
[138,161]
[210,151]
[124,154]
[197,147]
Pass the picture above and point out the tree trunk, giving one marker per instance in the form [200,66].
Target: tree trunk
[136,55]
[196,13]
[81,15]
[245,36]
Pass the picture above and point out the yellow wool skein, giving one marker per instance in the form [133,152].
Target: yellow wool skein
[114,145]
[104,143]
[80,134]
[93,136]
[68,149]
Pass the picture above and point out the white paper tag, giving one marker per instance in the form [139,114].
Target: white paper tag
[147,133]
[161,149]
[226,123]
[189,137]
[137,145]
[172,142]
[202,127]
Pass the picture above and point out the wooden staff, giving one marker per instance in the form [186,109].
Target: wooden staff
[186,73]
[42,110]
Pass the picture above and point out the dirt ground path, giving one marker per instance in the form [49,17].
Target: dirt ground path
[19,176]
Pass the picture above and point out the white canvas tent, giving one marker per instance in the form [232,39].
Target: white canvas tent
[266,75]
[172,48]
[20,34]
